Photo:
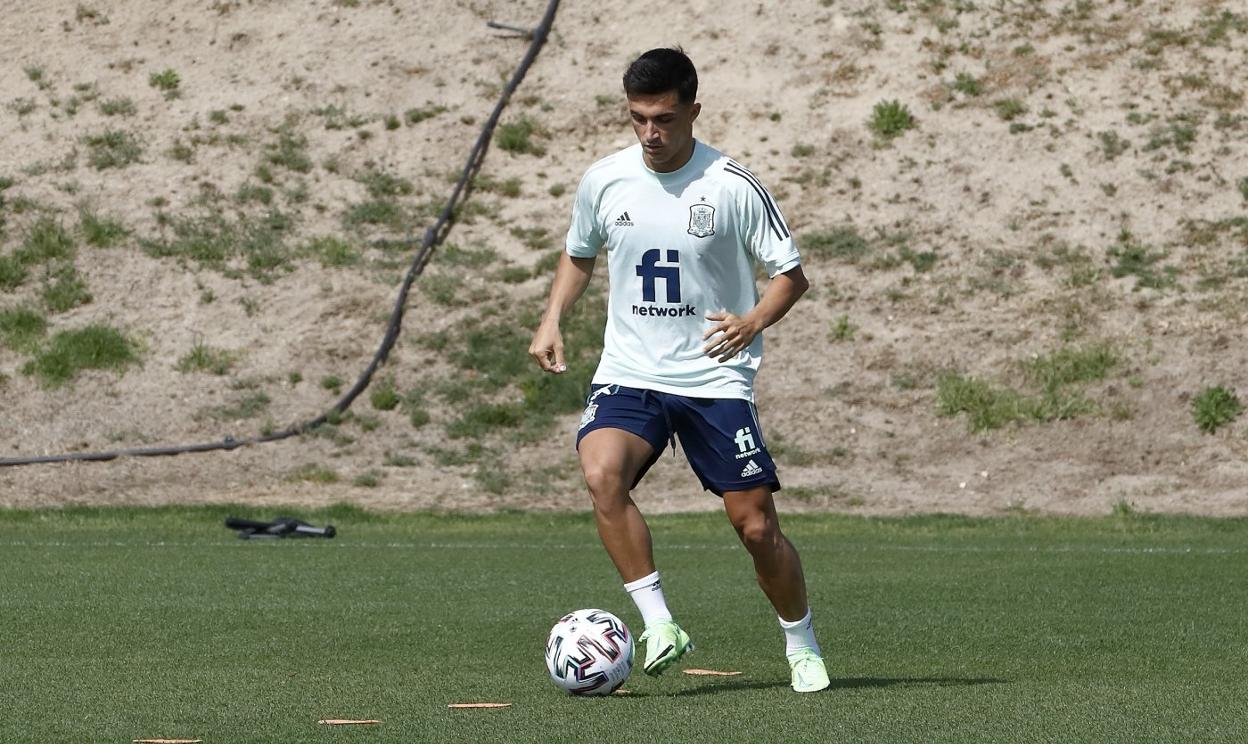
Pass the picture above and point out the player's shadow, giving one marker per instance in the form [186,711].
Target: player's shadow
[847,683]
[857,682]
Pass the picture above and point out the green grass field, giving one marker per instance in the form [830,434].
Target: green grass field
[119,624]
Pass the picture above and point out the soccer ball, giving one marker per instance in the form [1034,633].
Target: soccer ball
[589,652]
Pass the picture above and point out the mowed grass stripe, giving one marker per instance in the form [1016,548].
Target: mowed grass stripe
[1142,550]
[937,629]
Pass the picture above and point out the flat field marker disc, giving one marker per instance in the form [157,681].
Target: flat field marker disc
[479,705]
[348,722]
[167,741]
[710,673]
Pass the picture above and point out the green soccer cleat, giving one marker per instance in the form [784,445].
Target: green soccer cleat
[809,672]
[665,644]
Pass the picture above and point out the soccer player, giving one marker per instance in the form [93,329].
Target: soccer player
[682,224]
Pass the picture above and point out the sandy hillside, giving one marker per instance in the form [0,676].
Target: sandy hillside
[1058,239]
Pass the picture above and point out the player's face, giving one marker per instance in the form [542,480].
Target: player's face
[664,127]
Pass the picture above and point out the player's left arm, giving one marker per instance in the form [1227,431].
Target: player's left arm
[732,334]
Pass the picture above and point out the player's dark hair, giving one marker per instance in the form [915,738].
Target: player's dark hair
[662,70]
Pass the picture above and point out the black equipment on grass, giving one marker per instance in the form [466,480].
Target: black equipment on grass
[249,529]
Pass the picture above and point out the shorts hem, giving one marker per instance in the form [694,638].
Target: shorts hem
[719,490]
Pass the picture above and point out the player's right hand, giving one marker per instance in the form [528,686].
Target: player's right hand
[547,349]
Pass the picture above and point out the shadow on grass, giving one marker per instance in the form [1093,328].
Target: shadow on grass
[857,682]
[733,686]
[848,683]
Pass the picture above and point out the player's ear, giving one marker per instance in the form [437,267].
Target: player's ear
[694,110]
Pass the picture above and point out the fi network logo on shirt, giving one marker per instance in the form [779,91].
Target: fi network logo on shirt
[652,273]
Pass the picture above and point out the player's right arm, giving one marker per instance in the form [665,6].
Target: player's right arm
[571,278]
[576,266]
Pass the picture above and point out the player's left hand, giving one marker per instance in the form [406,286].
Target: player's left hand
[735,335]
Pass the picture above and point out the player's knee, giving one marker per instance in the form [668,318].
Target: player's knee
[606,483]
[757,531]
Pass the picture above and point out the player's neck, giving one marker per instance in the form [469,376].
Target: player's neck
[676,163]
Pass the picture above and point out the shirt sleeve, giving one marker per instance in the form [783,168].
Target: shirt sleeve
[763,229]
[585,236]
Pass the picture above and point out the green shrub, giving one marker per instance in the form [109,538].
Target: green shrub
[966,84]
[1010,108]
[383,212]
[384,397]
[257,241]
[477,257]
[47,241]
[181,151]
[517,136]
[369,479]
[382,185]
[842,329]
[13,273]
[482,418]
[290,151]
[69,352]
[1135,259]
[117,107]
[22,328]
[841,242]
[417,115]
[204,358]
[536,238]
[166,81]
[331,251]
[112,149]
[249,192]
[987,406]
[1112,145]
[248,406]
[64,289]
[1215,407]
[312,473]
[891,118]
[101,232]
[1070,365]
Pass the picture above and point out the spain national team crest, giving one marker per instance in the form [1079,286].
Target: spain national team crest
[701,220]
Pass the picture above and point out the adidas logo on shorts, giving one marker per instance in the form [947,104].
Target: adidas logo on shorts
[751,469]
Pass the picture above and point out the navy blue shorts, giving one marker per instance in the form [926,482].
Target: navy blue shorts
[721,436]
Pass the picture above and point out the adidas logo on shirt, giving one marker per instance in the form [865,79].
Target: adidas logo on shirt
[751,469]
[624,221]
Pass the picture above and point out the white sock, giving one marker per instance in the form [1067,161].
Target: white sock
[799,634]
[647,594]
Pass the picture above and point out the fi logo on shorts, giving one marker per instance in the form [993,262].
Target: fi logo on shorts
[745,443]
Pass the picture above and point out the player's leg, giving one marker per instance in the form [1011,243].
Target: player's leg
[776,563]
[725,447]
[611,460]
[622,433]
[779,571]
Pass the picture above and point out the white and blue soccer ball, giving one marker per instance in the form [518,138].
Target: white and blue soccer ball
[589,652]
